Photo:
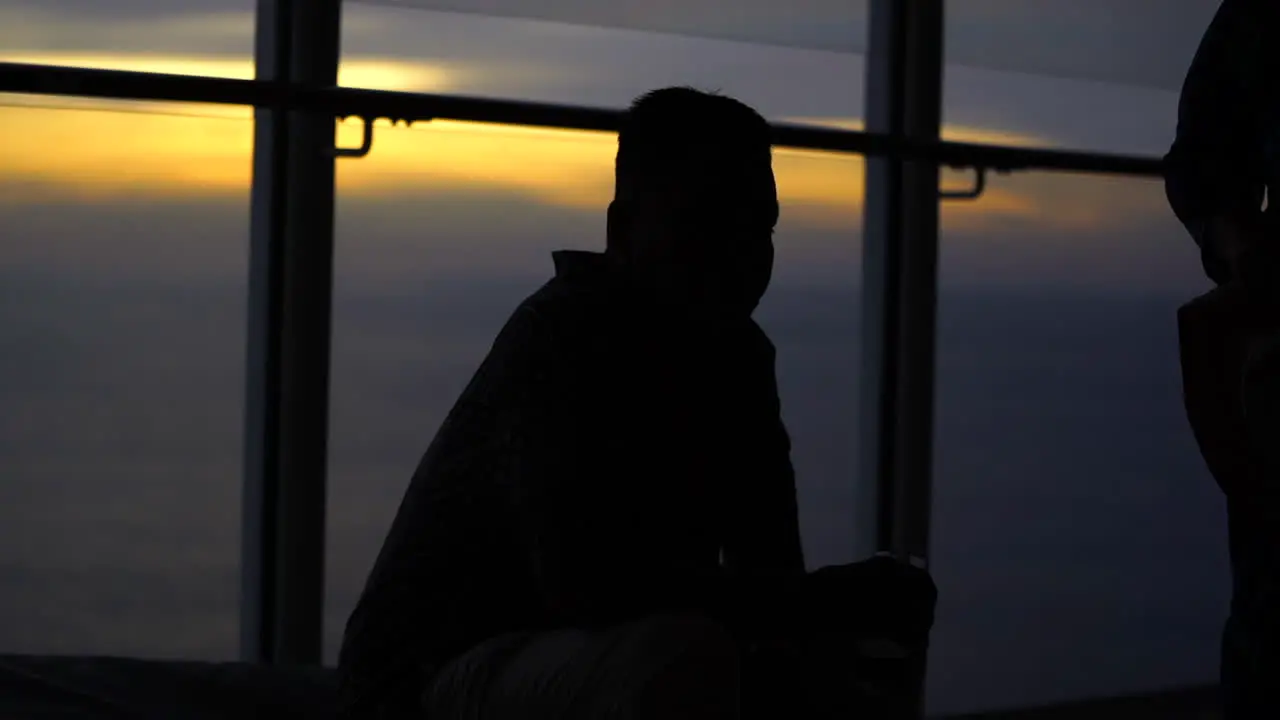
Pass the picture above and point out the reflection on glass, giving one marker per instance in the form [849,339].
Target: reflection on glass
[1048,111]
[839,27]
[477,55]
[1078,542]
[1090,40]
[1089,75]
[122,306]
[444,229]
[212,37]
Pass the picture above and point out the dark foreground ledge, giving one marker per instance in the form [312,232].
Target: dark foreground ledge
[80,688]
[1198,703]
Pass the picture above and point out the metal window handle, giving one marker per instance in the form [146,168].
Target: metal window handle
[973,193]
[366,145]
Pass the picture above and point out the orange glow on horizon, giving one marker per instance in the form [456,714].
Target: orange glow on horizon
[382,73]
[955,133]
[100,155]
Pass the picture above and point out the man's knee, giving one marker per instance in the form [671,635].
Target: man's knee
[659,668]
[692,669]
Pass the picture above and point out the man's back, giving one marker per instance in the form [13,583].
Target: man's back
[583,476]
[1226,155]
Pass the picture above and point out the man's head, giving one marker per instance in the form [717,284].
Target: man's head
[695,206]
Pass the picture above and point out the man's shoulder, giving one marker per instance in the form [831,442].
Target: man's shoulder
[558,311]
[759,340]
[751,349]
[553,329]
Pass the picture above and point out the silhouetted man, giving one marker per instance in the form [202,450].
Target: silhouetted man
[605,525]
[1225,160]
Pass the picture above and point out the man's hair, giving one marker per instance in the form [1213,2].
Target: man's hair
[664,128]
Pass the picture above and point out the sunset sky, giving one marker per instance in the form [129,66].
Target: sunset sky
[188,152]
[461,54]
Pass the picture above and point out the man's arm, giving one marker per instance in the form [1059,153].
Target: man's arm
[765,531]
[764,528]
[1214,173]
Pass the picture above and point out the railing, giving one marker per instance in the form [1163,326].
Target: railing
[414,107]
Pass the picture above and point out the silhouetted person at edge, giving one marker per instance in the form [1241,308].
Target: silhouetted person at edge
[1225,158]
[605,525]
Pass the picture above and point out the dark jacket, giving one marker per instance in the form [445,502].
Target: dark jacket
[596,469]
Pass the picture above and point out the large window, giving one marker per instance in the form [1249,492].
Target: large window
[1088,74]
[1078,542]
[122,306]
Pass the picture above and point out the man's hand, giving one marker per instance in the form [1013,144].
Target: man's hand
[844,608]
[880,599]
[1231,239]
[869,632]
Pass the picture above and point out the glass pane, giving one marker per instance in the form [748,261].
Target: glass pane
[1079,543]
[1045,111]
[206,37]
[444,229]
[1078,75]
[1142,43]
[122,306]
